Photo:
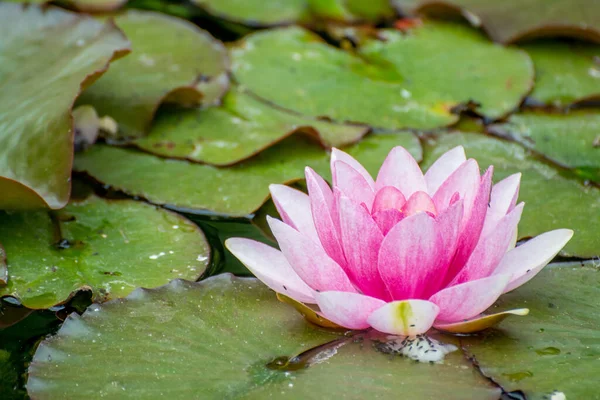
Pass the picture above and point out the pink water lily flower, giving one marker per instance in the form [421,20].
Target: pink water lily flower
[404,252]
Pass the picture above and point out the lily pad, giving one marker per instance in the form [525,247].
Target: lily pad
[239,190]
[412,80]
[240,128]
[214,339]
[97,5]
[36,134]
[551,200]
[571,140]
[557,346]
[172,61]
[108,247]
[511,20]
[565,73]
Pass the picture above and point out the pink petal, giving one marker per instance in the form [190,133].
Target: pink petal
[491,249]
[406,318]
[465,181]
[479,323]
[419,202]
[271,267]
[294,208]
[443,167]
[448,230]
[349,310]
[324,215]
[338,155]
[469,299]
[387,219]
[352,184]
[524,262]
[309,260]
[502,200]
[361,239]
[401,171]
[409,257]
[388,197]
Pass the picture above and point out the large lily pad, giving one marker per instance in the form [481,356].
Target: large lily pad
[511,20]
[240,128]
[36,138]
[552,201]
[238,190]
[172,60]
[571,140]
[108,247]
[565,73]
[213,340]
[409,80]
[557,347]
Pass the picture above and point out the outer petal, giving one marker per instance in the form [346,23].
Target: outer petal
[352,184]
[406,318]
[469,299]
[309,260]
[324,216]
[349,310]
[491,249]
[524,262]
[479,323]
[443,167]
[294,208]
[338,155]
[465,181]
[387,219]
[388,197]
[271,267]
[409,256]
[419,202]
[361,239]
[401,170]
[502,200]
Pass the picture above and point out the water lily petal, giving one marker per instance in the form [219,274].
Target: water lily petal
[401,170]
[387,219]
[469,299]
[352,184]
[465,181]
[491,249]
[419,202]
[409,256]
[308,313]
[502,200]
[271,267]
[339,155]
[309,260]
[524,262]
[349,310]
[388,197]
[406,317]
[324,215]
[479,323]
[443,167]
[361,239]
[448,233]
[294,208]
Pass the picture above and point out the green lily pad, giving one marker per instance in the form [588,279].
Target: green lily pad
[239,190]
[565,73]
[36,138]
[511,20]
[213,340]
[571,140]
[239,129]
[97,5]
[412,80]
[172,60]
[108,247]
[551,200]
[557,346]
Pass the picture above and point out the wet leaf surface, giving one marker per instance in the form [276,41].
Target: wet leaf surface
[512,20]
[567,139]
[240,128]
[236,191]
[551,200]
[406,80]
[172,60]
[108,247]
[213,339]
[557,346]
[97,5]
[70,52]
